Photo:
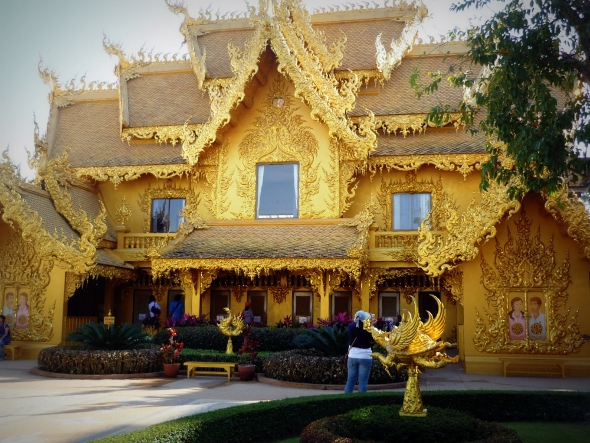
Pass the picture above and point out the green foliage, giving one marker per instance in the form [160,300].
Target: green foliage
[80,360]
[209,337]
[384,424]
[311,366]
[273,420]
[535,99]
[328,340]
[99,336]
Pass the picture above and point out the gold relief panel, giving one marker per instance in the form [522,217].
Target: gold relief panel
[168,190]
[24,277]
[278,136]
[525,291]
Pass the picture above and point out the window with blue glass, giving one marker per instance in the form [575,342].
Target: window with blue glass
[166,214]
[277,192]
[409,210]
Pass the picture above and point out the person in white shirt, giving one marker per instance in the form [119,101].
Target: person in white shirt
[537,323]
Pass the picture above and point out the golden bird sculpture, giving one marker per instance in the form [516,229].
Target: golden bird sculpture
[413,344]
[231,326]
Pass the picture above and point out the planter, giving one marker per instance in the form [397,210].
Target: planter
[171,369]
[246,372]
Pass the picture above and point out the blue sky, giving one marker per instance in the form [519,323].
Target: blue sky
[68,35]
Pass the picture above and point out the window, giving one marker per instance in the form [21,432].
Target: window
[302,306]
[166,214]
[257,300]
[342,302]
[278,191]
[219,301]
[409,210]
[389,306]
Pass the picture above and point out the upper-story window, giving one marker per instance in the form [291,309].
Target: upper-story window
[409,210]
[277,193]
[166,214]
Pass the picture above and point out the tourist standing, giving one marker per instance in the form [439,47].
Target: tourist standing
[359,354]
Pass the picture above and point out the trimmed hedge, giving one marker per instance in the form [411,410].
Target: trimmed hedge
[81,360]
[209,337]
[273,420]
[309,366]
[384,424]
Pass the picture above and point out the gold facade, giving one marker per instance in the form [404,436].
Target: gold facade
[280,85]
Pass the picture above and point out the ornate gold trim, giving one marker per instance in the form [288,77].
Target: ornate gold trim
[476,225]
[462,163]
[528,267]
[570,210]
[162,134]
[119,174]
[75,281]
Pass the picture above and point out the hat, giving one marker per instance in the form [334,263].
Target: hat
[361,316]
[248,303]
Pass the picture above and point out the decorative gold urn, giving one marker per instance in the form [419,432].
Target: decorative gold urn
[414,344]
[231,326]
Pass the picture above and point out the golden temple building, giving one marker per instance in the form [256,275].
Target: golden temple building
[285,161]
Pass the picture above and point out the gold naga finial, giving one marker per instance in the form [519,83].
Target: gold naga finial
[231,326]
[413,344]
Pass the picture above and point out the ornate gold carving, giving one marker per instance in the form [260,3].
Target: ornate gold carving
[231,326]
[123,212]
[452,282]
[408,123]
[279,293]
[279,136]
[168,190]
[73,255]
[316,280]
[386,62]
[361,222]
[348,184]
[571,211]
[119,174]
[238,292]
[254,267]
[528,267]
[441,204]
[365,76]
[414,344]
[462,163]
[59,93]
[75,281]
[297,47]
[206,278]
[162,134]
[23,268]
[464,232]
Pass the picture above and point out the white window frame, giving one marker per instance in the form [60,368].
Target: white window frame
[415,223]
[260,181]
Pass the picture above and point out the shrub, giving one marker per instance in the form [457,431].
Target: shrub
[81,360]
[384,424]
[279,419]
[330,341]
[99,336]
[310,366]
[209,337]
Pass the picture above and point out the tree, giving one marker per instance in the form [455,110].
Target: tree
[527,73]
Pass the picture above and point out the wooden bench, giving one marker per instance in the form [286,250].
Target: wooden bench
[533,367]
[206,368]
[14,349]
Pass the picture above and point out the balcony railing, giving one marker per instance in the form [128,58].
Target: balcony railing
[396,245]
[145,241]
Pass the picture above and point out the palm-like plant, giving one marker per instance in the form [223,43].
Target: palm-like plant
[99,336]
[328,340]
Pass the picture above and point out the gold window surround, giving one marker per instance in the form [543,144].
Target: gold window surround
[526,266]
[168,190]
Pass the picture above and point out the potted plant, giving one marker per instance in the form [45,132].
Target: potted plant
[171,354]
[247,366]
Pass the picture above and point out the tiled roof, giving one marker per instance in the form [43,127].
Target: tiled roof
[360,44]
[267,241]
[214,44]
[430,142]
[90,130]
[397,97]
[166,99]
[104,257]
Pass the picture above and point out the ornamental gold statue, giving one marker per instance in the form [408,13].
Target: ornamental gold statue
[230,327]
[413,344]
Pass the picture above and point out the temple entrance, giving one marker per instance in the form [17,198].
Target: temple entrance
[258,301]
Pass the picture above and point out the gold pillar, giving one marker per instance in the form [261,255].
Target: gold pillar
[324,300]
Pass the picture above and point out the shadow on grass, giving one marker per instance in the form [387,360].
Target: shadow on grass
[538,432]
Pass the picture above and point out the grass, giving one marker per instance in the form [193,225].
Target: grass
[534,432]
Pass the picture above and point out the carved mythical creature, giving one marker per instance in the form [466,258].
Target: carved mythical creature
[414,344]
[231,326]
